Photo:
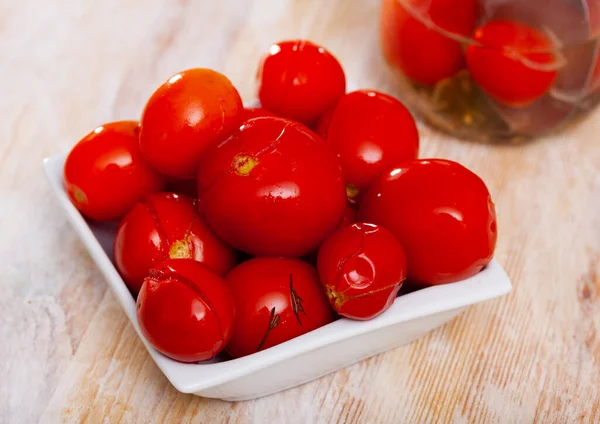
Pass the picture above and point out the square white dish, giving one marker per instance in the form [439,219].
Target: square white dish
[320,352]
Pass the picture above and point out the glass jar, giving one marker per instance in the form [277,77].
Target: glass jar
[495,69]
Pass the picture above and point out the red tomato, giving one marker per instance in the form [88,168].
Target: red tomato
[370,132]
[362,267]
[254,112]
[186,114]
[166,225]
[276,299]
[441,213]
[300,80]
[272,189]
[105,173]
[423,52]
[512,62]
[186,311]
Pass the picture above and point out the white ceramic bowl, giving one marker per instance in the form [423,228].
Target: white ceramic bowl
[304,358]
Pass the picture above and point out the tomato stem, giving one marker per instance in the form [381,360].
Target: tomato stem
[273,322]
[296,301]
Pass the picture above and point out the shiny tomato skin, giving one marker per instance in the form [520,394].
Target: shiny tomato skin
[187,113]
[362,267]
[441,213]
[274,188]
[163,226]
[422,52]
[300,80]
[370,132]
[276,300]
[495,61]
[105,174]
[185,310]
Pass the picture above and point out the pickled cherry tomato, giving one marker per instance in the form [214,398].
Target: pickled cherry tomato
[190,111]
[276,300]
[163,226]
[274,188]
[362,267]
[370,132]
[441,213]
[105,173]
[424,53]
[185,310]
[512,62]
[300,80]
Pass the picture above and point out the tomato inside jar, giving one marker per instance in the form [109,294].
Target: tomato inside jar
[491,70]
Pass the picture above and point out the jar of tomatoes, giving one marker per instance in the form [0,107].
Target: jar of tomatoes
[495,69]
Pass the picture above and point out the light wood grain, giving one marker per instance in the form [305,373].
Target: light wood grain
[67,351]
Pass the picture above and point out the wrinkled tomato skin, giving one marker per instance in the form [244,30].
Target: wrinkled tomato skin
[274,188]
[442,214]
[370,132]
[163,226]
[276,300]
[300,80]
[185,310]
[422,52]
[496,62]
[362,267]
[105,173]
[189,112]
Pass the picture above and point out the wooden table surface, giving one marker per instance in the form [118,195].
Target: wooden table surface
[67,351]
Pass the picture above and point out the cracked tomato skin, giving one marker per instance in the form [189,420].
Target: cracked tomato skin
[300,80]
[362,267]
[185,310]
[105,173]
[496,62]
[441,213]
[190,111]
[274,188]
[370,132]
[163,226]
[276,300]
